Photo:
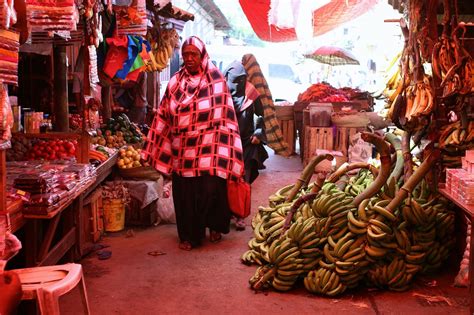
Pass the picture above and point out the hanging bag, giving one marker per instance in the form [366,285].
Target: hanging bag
[238,195]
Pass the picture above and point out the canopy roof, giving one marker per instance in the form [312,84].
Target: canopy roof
[325,18]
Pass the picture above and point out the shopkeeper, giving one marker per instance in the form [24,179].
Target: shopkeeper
[133,97]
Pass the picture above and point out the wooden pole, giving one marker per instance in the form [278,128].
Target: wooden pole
[106,102]
[3,181]
[61,106]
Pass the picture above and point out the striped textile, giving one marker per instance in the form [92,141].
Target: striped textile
[272,128]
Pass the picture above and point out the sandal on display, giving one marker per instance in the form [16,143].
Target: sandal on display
[185,245]
[104,254]
[215,237]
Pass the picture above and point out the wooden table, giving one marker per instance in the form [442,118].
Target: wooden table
[38,247]
[469,212]
[70,236]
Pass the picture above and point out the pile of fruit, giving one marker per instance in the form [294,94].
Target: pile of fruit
[117,132]
[130,158]
[52,150]
[334,235]
[20,147]
[75,121]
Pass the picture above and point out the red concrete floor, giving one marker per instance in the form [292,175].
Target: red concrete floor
[211,279]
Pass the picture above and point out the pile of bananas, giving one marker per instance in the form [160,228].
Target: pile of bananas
[454,140]
[163,42]
[332,245]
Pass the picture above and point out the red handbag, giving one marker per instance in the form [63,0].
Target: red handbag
[238,194]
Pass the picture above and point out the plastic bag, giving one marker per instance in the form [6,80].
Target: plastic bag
[359,150]
[165,209]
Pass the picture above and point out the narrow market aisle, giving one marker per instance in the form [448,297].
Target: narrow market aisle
[211,279]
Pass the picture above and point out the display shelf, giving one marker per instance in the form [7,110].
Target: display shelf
[468,209]
[469,212]
[82,150]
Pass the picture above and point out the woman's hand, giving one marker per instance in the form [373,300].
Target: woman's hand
[254,140]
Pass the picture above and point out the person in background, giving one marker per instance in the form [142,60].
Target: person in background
[247,104]
[132,96]
[78,80]
[137,112]
[195,139]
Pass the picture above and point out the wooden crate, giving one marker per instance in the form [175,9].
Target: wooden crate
[342,138]
[289,133]
[316,138]
[284,112]
[134,216]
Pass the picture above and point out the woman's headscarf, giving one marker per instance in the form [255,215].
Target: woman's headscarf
[243,93]
[237,89]
[191,84]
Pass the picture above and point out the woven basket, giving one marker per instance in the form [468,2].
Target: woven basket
[140,173]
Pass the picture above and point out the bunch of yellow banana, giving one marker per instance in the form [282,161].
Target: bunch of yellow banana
[324,281]
[420,99]
[162,48]
[392,75]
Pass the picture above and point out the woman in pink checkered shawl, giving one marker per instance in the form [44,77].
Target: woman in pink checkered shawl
[195,139]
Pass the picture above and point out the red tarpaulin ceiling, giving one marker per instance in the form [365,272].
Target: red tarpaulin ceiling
[325,18]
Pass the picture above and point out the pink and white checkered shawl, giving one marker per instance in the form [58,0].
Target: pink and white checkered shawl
[195,131]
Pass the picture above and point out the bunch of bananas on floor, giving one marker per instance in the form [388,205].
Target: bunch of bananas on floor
[163,42]
[333,245]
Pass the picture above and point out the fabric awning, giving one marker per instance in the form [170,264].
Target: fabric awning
[325,18]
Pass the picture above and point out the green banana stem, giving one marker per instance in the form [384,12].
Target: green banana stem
[397,145]
[345,168]
[264,279]
[414,180]
[307,174]
[385,165]
[295,206]
[318,183]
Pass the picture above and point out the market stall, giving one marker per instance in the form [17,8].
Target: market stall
[58,153]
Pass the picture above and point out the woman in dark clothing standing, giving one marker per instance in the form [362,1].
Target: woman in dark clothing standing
[247,104]
[194,137]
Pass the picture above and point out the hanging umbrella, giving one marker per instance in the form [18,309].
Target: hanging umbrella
[333,56]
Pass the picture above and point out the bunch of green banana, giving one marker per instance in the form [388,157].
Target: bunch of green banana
[358,183]
[393,275]
[324,281]
[279,196]
[347,257]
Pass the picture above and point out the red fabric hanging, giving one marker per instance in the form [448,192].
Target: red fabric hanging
[325,19]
